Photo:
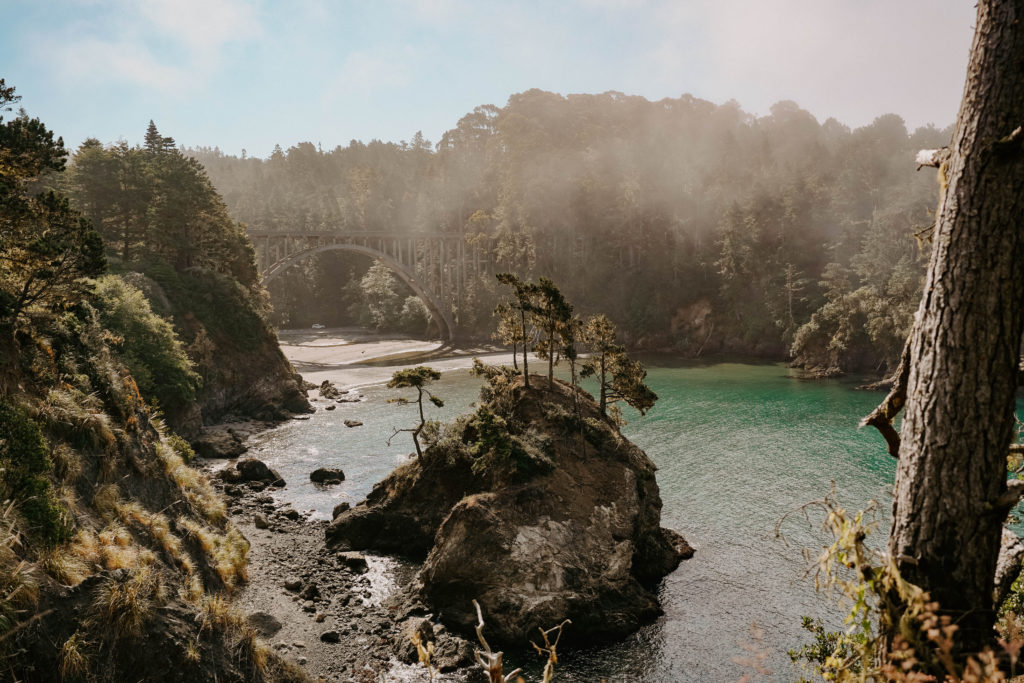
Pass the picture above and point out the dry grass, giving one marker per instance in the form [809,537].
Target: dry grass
[74,658]
[118,549]
[79,417]
[194,485]
[18,588]
[106,500]
[217,616]
[67,464]
[126,603]
[159,527]
[192,590]
[65,565]
[228,553]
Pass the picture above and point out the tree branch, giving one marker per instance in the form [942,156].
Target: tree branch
[1014,492]
[881,417]
[932,157]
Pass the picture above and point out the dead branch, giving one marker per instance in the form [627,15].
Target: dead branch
[881,417]
[490,661]
[549,649]
[932,157]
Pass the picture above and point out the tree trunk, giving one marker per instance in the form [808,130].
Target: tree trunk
[964,346]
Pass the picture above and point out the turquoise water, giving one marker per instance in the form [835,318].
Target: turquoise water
[737,446]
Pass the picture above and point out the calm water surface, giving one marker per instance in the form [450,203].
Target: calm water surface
[737,446]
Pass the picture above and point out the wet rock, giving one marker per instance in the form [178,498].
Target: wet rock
[324,474]
[253,470]
[260,522]
[330,408]
[290,513]
[218,443]
[353,423]
[330,637]
[230,475]
[265,623]
[339,508]
[328,390]
[354,561]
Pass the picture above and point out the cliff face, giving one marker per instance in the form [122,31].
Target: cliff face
[535,506]
[244,373]
[117,558]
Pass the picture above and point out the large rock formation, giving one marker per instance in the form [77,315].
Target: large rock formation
[538,508]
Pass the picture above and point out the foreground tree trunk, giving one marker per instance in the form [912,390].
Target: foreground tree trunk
[951,479]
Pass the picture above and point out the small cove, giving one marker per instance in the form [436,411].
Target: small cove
[737,446]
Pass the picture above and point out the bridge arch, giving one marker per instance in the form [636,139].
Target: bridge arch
[439,313]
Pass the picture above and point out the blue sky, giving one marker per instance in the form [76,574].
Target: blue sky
[251,73]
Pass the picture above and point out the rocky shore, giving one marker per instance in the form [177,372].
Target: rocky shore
[341,616]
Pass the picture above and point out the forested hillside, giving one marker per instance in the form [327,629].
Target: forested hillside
[179,254]
[117,558]
[697,227]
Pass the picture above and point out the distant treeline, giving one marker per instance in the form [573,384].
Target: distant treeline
[697,227]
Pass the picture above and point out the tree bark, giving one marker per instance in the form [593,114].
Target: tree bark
[958,422]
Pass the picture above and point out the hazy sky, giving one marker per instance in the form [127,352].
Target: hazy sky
[250,73]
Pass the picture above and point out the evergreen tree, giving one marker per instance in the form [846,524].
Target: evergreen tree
[46,248]
[619,377]
[418,378]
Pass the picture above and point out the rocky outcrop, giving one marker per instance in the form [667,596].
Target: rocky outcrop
[245,374]
[558,520]
[327,475]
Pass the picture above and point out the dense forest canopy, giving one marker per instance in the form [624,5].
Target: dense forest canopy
[697,227]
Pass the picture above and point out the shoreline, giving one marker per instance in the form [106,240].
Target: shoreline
[352,358]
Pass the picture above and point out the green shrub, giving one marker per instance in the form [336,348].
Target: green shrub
[25,476]
[154,355]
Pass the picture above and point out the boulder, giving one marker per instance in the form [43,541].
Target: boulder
[324,474]
[259,521]
[450,651]
[339,508]
[562,522]
[218,443]
[328,390]
[256,470]
[354,561]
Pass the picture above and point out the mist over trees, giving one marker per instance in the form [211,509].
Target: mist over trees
[696,227]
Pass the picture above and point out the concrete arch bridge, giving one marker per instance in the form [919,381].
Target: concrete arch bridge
[436,266]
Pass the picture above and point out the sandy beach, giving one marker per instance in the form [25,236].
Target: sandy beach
[352,357]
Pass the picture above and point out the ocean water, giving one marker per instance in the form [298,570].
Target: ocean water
[737,447]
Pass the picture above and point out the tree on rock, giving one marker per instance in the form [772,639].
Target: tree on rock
[551,313]
[619,377]
[521,306]
[418,377]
